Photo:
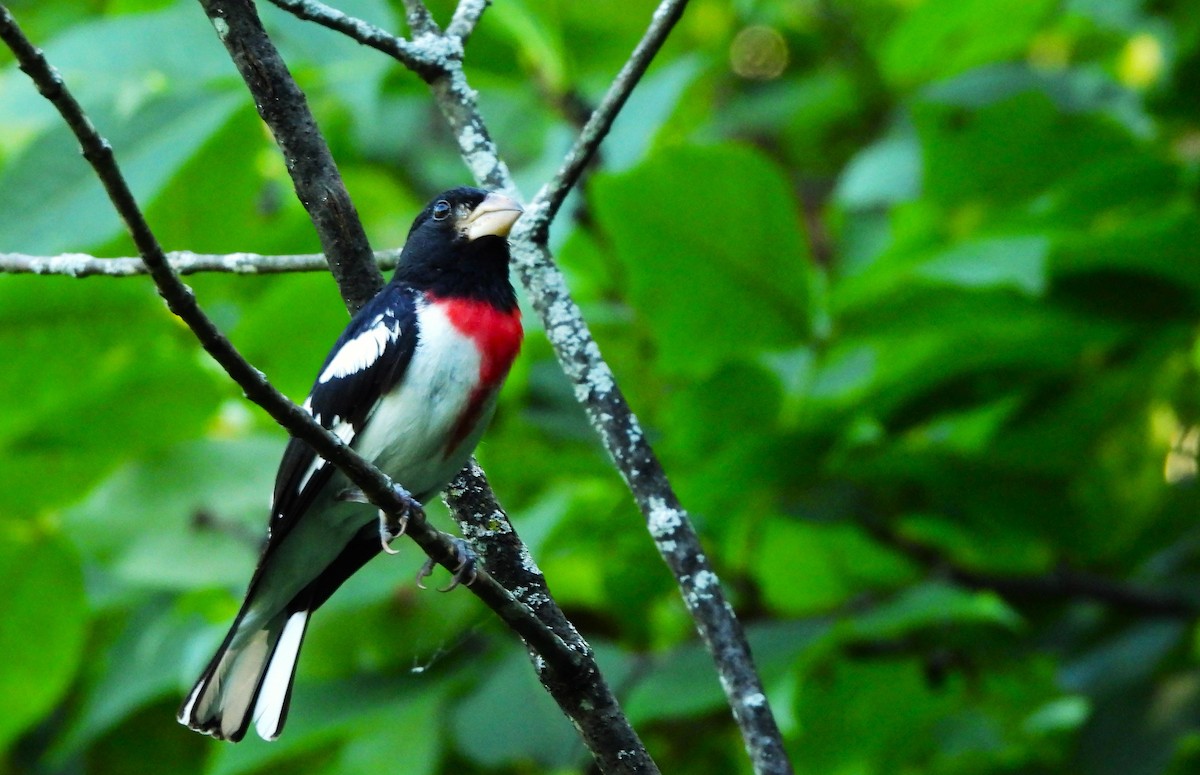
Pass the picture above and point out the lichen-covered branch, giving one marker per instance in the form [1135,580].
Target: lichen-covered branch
[589,704]
[440,66]
[466,16]
[183,262]
[414,56]
[666,519]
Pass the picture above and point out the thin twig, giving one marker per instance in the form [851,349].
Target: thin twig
[466,17]
[420,21]
[180,299]
[415,57]
[183,262]
[549,199]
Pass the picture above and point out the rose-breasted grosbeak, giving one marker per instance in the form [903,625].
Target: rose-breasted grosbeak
[410,384]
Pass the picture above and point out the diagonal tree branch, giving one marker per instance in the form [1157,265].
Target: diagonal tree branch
[549,199]
[581,691]
[576,350]
[183,262]
[590,705]
[182,302]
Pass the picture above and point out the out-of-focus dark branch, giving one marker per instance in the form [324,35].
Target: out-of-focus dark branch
[1066,584]
[182,262]
[1059,585]
[378,488]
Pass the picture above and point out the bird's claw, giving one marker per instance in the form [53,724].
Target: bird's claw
[392,526]
[386,532]
[465,572]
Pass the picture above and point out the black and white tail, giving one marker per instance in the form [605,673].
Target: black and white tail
[249,679]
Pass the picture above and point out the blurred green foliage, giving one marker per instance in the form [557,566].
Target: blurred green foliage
[905,291]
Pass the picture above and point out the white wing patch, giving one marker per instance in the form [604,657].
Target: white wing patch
[363,350]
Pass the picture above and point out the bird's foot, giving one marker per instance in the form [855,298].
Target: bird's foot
[465,572]
[391,526]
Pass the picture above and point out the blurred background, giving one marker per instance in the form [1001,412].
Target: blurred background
[905,291]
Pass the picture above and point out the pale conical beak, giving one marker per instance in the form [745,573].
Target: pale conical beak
[494,217]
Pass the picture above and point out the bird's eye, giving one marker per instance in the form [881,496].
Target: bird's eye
[441,210]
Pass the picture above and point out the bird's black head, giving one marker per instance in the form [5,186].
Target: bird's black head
[458,247]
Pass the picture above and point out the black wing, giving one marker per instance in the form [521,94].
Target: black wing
[367,360]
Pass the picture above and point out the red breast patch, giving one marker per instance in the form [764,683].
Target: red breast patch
[498,336]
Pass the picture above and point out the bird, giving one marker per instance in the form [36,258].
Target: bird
[410,385]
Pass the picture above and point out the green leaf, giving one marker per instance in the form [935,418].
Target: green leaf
[932,605]
[1060,715]
[1008,150]
[111,71]
[489,732]
[683,682]
[647,110]
[711,241]
[886,707]
[806,568]
[884,173]
[993,547]
[944,37]
[1141,264]
[1015,262]
[103,373]
[898,346]
[142,665]
[348,723]
[49,185]
[43,626]
[141,524]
